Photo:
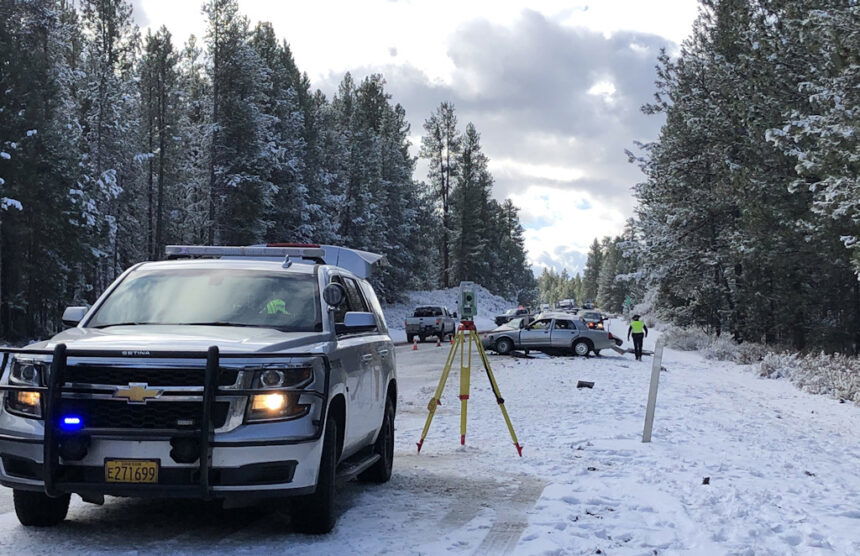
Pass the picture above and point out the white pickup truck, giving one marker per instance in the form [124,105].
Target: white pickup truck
[235,373]
[430,320]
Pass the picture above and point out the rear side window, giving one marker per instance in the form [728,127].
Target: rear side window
[564,324]
[356,300]
[371,298]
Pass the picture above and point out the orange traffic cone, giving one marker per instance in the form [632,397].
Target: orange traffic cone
[438,342]
[452,339]
[415,344]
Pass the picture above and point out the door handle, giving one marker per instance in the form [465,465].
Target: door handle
[367,357]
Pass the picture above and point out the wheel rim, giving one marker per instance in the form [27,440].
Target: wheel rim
[504,346]
[581,348]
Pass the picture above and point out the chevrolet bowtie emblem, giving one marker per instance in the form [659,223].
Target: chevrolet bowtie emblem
[136,392]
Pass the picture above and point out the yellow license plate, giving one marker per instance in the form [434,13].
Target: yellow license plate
[131,471]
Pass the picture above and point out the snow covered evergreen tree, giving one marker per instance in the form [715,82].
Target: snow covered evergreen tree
[441,147]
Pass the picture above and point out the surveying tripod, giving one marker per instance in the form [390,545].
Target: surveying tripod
[465,337]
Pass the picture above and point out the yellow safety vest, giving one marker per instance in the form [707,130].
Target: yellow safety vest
[276,306]
[637,326]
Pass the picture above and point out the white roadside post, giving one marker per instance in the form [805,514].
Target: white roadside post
[652,391]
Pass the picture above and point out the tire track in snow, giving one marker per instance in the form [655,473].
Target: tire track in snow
[511,518]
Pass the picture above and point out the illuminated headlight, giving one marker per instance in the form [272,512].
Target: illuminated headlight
[274,405]
[22,402]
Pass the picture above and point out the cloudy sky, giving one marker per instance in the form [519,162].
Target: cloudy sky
[553,87]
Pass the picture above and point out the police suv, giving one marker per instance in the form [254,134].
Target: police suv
[232,373]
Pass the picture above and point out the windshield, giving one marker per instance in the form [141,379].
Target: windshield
[216,297]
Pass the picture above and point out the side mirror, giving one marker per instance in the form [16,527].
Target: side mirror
[334,294]
[72,316]
[355,319]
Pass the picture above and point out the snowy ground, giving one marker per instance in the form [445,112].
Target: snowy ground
[783,468]
[489,306]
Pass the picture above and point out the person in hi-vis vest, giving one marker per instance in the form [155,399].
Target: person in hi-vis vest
[639,331]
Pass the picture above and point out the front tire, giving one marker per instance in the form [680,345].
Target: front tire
[37,509]
[504,346]
[410,338]
[314,514]
[380,472]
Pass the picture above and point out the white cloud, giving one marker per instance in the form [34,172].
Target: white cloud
[563,222]
[507,167]
[554,87]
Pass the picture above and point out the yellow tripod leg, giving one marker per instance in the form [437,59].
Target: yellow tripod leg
[436,400]
[465,371]
[494,385]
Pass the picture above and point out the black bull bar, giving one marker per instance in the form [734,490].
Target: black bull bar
[54,389]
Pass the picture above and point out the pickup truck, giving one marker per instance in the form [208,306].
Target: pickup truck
[550,333]
[430,321]
[243,374]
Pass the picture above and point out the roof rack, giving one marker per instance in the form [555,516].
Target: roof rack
[358,262]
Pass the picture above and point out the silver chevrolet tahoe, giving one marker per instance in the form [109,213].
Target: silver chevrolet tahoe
[232,373]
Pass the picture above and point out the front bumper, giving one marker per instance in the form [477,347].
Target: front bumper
[277,469]
[271,458]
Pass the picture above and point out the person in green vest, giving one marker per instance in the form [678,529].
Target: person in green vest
[639,331]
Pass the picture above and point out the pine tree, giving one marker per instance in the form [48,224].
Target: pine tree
[160,121]
[243,143]
[591,276]
[469,212]
[441,146]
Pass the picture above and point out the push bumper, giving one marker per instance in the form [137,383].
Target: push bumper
[238,463]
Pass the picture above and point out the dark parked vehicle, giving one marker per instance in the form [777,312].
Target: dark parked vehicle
[593,319]
[510,314]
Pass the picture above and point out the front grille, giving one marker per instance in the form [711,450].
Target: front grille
[91,374]
[108,414]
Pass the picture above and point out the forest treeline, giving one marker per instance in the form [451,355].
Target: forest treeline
[113,145]
[749,215]
[611,279]
[748,219]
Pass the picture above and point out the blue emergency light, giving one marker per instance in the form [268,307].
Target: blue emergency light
[71,423]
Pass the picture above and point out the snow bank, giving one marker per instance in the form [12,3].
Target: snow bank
[489,305]
[837,376]
[685,339]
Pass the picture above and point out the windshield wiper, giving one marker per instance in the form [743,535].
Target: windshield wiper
[123,324]
[272,326]
[215,323]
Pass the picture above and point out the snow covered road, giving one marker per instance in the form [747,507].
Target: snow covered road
[782,465]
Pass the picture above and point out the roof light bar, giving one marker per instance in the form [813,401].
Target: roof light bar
[311,253]
[360,263]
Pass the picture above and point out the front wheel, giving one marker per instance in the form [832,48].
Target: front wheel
[410,338]
[504,346]
[314,514]
[380,471]
[37,509]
